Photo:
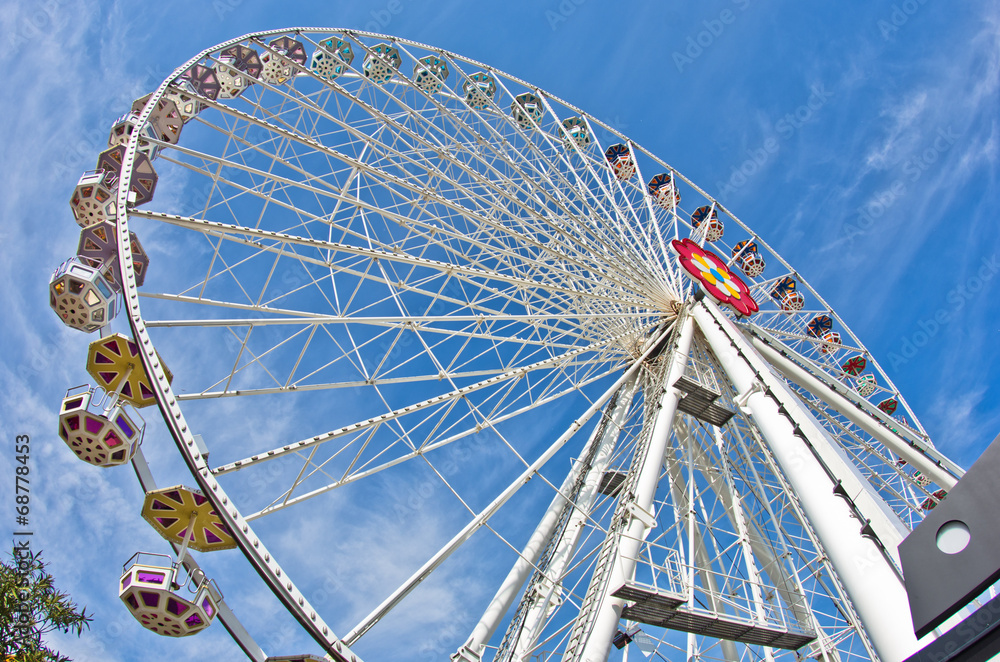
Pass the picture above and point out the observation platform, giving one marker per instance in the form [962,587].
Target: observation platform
[700,402]
[664,609]
[611,483]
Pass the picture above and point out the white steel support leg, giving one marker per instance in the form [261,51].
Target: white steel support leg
[535,619]
[484,515]
[870,579]
[786,579]
[525,564]
[734,511]
[927,460]
[597,642]
[757,553]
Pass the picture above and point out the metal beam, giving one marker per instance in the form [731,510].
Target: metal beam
[804,455]
[529,557]
[251,546]
[483,516]
[592,640]
[914,450]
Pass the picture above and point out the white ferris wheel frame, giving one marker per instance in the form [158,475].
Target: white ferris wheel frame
[746,372]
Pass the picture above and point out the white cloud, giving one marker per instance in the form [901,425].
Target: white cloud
[902,117]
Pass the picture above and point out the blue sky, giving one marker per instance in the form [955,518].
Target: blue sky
[860,140]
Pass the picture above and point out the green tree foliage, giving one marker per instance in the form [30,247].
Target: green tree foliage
[30,607]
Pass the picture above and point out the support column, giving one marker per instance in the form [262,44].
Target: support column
[472,650]
[620,566]
[926,460]
[797,444]
[536,617]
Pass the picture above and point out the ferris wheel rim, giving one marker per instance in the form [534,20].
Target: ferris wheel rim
[169,401]
[258,36]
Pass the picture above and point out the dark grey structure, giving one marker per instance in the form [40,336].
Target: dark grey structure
[944,574]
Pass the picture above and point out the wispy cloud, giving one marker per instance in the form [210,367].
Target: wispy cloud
[902,119]
[923,150]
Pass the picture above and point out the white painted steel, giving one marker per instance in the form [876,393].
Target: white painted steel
[535,619]
[924,458]
[483,517]
[600,632]
[495,273]
[874,586]
[526,562]
[697,554]
[255,552]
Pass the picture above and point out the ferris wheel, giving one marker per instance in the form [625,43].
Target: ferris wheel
[415,301]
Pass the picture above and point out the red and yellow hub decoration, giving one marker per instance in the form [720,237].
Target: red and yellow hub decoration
[715,277]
